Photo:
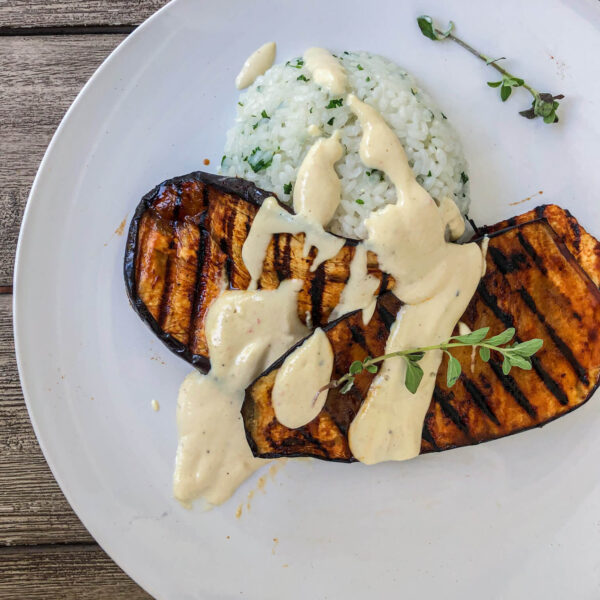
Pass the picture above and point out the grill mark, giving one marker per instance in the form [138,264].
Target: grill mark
[504,263]
[317,288]
[428,437]
[358,337]
[276,257]
[287,257]
[532,253]
[508,321]
[479,399]
[384,283]
[576,233]
[558,341]
[386,316]
[449,410]
[510,385]
[197,285]
[554,388]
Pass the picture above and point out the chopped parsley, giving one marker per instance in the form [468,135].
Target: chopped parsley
[429,174]
[335,103]
[240,104]
[260,159]
[330,122]
[299,64]
[359,67]
[346,52]
[302,78]
[368,79]
[375,172]
[359,201]
[412,91]
[264,114]
[444,116]
[464,177]
[287,188]
[310,111]
[223,159]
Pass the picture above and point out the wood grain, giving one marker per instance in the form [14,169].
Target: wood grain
[80,572]
[30,14]
[32,507]
[40,79]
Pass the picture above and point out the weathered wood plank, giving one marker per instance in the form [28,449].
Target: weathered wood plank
[81,572]
[32,507]
[40,79]
[69,13]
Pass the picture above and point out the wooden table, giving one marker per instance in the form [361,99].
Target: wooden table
[48,50]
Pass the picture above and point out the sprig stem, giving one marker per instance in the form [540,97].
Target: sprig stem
[516,355]
[544,105]
[490,62]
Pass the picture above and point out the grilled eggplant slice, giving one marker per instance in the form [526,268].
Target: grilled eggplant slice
[541,278]
[185,245]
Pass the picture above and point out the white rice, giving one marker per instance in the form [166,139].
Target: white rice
[275,113]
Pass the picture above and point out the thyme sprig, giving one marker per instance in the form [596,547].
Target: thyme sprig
[517,354]
[544,104]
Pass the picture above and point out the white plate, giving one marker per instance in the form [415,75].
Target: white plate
[515,518]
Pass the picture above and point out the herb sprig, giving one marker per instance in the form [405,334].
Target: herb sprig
[517,354]
[544,104]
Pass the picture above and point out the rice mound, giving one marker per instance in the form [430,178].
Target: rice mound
[270,136]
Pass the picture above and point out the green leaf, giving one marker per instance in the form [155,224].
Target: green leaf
[528,348]
[519,361]
[464,177]
[359,201]
[223,159]
[302,78]
[550,118]
[260,159]
[356,367]
[415,356]
[502,338]
[484,352]
[264,115]
[494,84]
[505,92]
[330,122]
[454,370]
[359,67]
[518,82]
[347,386]
[474,337]
[413,377]
[428,29]
[426,26]
[506,366]
[287,188]
[335,103]
[371,368]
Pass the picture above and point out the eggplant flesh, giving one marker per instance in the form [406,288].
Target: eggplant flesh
[542,274]
[184,247]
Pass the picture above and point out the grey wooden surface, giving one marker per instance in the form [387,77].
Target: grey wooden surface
[48,50]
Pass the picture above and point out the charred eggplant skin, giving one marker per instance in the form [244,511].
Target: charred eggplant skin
[229,185]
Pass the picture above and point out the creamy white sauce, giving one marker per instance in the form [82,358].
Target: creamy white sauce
[484,248]
[272,218]
[435,279]
[246,331]
[256,64]
[453,220]
[318,189]
[359,291]
[326,70]
[313,130]
[463,329]
[293,398]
